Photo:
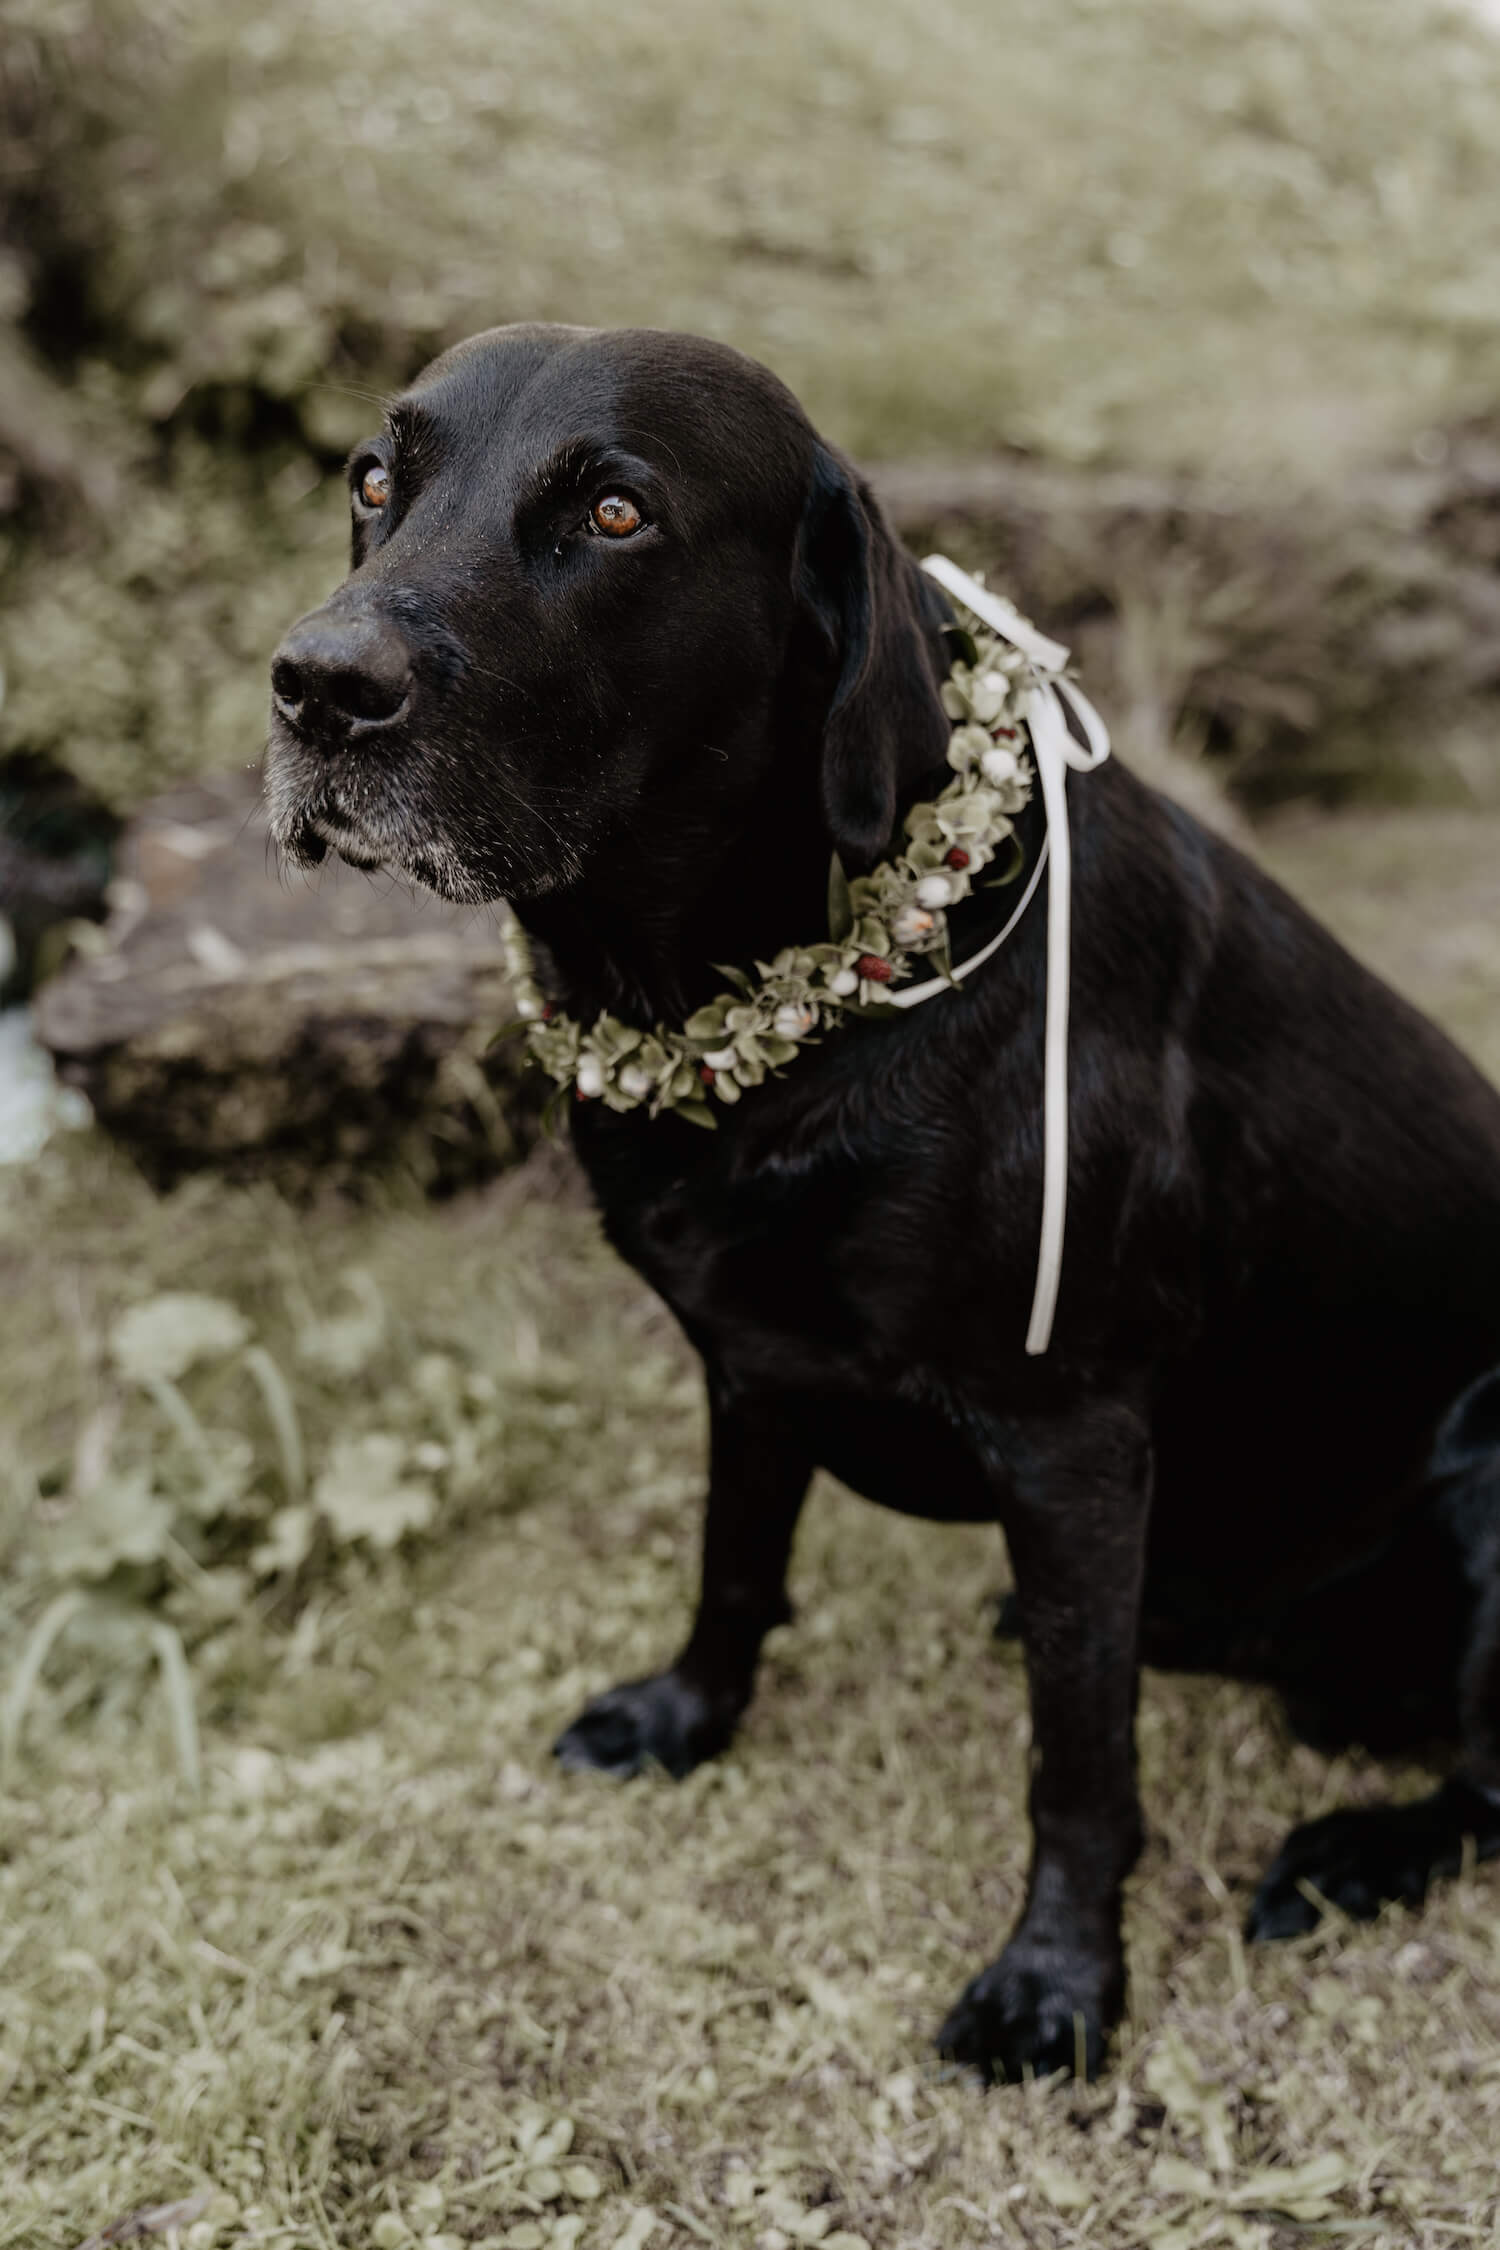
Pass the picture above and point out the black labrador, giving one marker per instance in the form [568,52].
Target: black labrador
[627,644]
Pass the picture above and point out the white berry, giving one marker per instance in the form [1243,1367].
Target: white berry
[793,1020]
[934,890]
[910,924]
[843,982]
[721,1058]
[590,1077]
[991,690]
[998,764]
[635,1081]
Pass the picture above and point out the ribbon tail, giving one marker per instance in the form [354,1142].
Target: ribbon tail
[1050,741]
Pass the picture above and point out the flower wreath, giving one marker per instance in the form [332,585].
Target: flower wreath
[878,923]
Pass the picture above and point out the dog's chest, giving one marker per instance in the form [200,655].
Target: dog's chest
[837,1279]
[767,1275]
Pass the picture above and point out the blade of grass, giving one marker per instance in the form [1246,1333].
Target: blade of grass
[282,1411]
[54,1617]
[178,1688]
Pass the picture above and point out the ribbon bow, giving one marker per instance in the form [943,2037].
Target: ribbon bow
[1045,709]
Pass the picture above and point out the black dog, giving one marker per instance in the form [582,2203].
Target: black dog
[626,644]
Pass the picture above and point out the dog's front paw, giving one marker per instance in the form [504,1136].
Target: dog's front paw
[1031,2013]
[664,1721]
[1362,1860]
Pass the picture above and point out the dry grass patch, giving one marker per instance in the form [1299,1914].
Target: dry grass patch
[393,1979]
[364,1984]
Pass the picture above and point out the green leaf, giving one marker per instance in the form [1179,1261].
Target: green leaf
[289,1545]
[961,644]
[168,1334]
[122,1521]
[363,1494]
[840,906]
[345,1343]
[707,1023]
[696,1113]
[1014,862]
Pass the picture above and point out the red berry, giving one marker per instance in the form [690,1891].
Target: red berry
[1008,732]
[958,857]
[871,966]
[548,1011]
[705,1074]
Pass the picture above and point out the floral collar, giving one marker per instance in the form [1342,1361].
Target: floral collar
[879,925]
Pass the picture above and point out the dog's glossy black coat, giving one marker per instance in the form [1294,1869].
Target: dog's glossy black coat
[1266,1437]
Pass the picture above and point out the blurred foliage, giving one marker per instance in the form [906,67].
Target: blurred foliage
[1331,646]
[1248,233]
[215,1404]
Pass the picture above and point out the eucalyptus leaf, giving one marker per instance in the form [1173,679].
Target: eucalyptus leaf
[840,909]
[1015,861]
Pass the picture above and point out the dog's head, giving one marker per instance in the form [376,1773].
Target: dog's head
[601,581]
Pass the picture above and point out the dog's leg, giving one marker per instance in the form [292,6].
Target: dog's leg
[1361,1860]
[1075,1519]
[758,1475]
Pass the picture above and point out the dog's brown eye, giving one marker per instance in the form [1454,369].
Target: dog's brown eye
[615,516]
[375,486]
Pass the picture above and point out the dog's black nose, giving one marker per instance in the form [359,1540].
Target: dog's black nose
[334,675]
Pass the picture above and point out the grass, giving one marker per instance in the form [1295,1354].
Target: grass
[392,1978]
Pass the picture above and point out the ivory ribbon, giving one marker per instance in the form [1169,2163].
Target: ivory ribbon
[1056,748]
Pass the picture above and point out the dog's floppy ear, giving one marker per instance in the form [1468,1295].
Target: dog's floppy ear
[866,600]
